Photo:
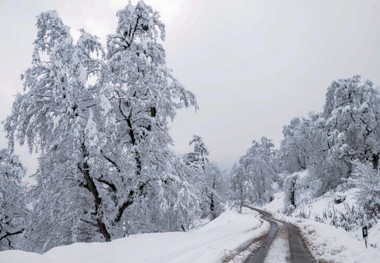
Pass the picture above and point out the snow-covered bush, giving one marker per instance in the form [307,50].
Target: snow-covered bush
[350,218]
[367,179]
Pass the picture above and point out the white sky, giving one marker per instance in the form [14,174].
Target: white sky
[253,64]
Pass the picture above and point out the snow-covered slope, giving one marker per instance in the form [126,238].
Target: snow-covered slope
[328,243]
[211,243]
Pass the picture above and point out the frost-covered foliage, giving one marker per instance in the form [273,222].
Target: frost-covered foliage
[304,143]
[367,179]
[326,143]
[12,201]
[338,145]
[350,218]
[300,188]
[199,157]
[145,98]
[352,115]
[61,114]
[206,177]
[289,188]
[61,209]
[253,177]
[100,119]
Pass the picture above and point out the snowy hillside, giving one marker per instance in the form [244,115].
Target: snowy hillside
[210,243]
[329,243]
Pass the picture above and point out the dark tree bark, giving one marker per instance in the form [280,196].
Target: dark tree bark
[375,161]
[91,187]
[9,234]
[293,191]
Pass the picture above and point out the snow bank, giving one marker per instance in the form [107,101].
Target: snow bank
[318,206]
[210,243]
[335,245]
[329,244]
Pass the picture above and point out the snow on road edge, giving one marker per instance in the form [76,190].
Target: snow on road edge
[211,243]
[330,244]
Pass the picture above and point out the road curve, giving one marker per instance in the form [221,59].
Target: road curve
[299,253]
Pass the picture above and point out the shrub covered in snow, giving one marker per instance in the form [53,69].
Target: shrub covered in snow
[350,218]
[367,179]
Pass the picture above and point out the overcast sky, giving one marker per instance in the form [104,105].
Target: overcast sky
[253,64]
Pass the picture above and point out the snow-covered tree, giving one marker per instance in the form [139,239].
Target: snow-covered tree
[198,158]
[256,171]
[367,179]
[306,146]
[146,94]
[304,143]
[214,191]
[145,99]
[238,185]
[64,113]
[327,143]
[60,207]
[12,201]
[352,115]
[206,178]
[101,124]
[292,152]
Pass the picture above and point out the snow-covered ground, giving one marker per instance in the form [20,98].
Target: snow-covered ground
[210,243]
[279,250]
[221,239]
[328,243]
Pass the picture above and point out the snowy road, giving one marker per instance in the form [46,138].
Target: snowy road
[283,243]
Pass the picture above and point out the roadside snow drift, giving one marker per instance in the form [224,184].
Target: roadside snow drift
[211,243]
[329,244]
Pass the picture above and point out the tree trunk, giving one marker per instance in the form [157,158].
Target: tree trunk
[91,187]
[212,200]
[212,206]
[293,191]
[375,161]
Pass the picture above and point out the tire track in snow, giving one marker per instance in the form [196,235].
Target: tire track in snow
[279,232]
[279,250]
